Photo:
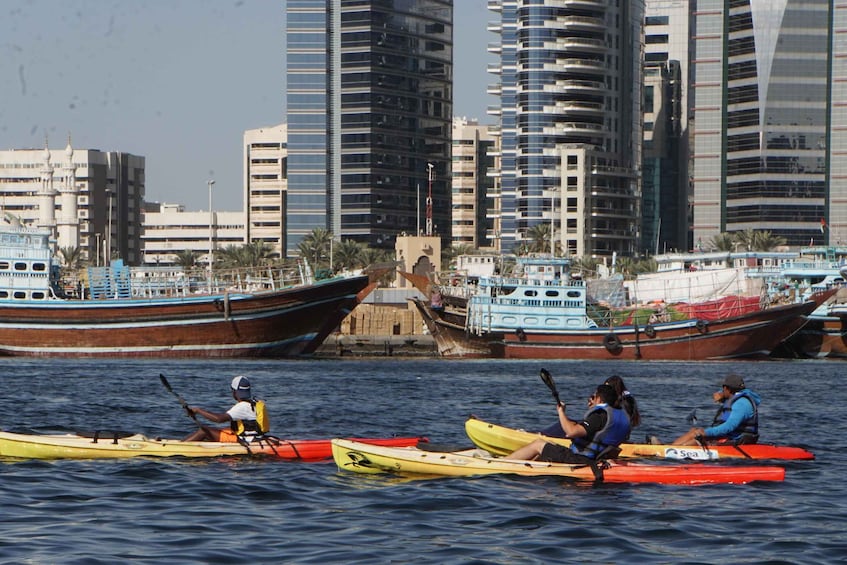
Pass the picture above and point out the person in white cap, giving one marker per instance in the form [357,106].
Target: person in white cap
[737,419]
[247,419]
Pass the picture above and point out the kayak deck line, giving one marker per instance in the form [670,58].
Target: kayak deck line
[372,459]
[119,445]
[501,440]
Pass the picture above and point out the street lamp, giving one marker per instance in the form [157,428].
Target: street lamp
[211,228]
[430,177]
[107,260]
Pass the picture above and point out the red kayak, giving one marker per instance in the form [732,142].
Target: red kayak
[696,474]
[321,449]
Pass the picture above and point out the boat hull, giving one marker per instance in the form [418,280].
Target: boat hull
[500,440]
[821,337]
[749,335]
[369,459]
[282,323]
[70,446]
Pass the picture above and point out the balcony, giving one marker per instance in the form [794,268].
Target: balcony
[576,107]
[587,87]
[574,65]
[578,44]
[581,23]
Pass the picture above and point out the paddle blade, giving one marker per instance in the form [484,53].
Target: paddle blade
[548,380]
[692,418]
[165,383]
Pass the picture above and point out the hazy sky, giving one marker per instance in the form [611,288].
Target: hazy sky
[177,81]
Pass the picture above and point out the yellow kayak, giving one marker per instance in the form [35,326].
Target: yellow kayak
[370,459]
[110,445]
[500,440]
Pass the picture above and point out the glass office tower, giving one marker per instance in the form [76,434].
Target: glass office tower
[369,108]
[771,119]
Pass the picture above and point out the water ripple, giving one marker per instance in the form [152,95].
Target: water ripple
[238,510]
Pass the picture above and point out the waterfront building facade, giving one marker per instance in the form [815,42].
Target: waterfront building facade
[169,230]
[771,119]
[265,184]
[472,159]
[369,108]
[89,199]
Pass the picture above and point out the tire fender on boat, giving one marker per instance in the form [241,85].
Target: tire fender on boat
[701,326]
[649,330]
[612,342]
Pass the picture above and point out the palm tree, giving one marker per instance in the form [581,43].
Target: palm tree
[71,257]
[765,240]
[539,236]
[186,258]
[254,254]
[745,238]
[722,242]
[646,265]
[586,265]
[347,254]
[384,262]
[315,247]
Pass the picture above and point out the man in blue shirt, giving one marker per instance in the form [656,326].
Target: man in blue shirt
[737,420]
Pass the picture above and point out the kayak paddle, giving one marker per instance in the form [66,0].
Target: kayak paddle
[182,401]
[548,380]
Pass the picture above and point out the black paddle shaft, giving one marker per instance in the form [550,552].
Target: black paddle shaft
[182,401]
[548,380]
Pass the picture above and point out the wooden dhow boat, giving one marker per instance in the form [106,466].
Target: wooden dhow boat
[542,312]
[161,314]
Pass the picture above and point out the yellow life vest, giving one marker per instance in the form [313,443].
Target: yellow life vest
[261,425]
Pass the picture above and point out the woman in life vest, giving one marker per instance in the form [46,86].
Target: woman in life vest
[246,417]
[625,400]
[737,419]
[603,427]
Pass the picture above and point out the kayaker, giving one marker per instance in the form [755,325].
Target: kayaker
[737,420]
[625,400]
[603,426]
[244,417]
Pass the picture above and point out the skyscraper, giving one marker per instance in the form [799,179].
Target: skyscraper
[771,119]
[570,122]
[369,108]
[665,186]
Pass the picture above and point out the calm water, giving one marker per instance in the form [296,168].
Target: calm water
[243,510]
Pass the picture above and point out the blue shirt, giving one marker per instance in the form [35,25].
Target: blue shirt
[742,409]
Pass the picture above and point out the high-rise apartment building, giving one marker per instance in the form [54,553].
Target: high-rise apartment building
[472,148]
[89,199]
[369,108]
[570,122]
[771,119]
[265,183]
